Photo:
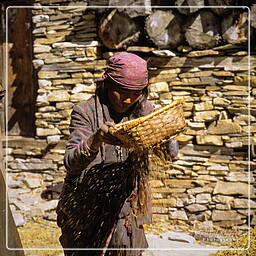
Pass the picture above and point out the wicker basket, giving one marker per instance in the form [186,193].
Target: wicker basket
[150,130]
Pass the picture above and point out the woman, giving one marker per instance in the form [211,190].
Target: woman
[105,199]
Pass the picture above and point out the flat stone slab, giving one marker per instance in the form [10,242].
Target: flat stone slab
[164,247]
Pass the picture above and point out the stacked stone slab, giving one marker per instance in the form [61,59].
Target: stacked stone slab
[213,177]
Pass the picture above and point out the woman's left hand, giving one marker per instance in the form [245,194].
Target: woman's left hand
[173,148]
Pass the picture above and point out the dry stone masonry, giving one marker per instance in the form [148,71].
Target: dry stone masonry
[213,177]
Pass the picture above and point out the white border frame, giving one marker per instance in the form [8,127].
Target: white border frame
[249,130]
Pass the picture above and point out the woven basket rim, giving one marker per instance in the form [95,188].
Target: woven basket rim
[140,120]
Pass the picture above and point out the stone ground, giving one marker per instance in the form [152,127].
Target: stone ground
[165,247]
[173,243]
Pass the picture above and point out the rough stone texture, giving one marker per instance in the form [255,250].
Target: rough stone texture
[232,188]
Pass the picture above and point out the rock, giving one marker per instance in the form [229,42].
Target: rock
[58,96]
[243,203]
[214,94]
[218,215]
[175,183]
[47,109]
[217,168]
[75,45]
[21,206]
[199,190]
[184,48]
[184,138]
[206,115]
[178,215]
[244,119]
[35,211]
[47,74]
[170,202]
[202,53]
[41,100]
[41,31]
[52,216]
[234,144]
[207,177]
[156,183]
[43,132]
[49,116]
[28,199]
[53,139]
[18,219]
[64,105]
[203,106]
[71,81]
[49,40]
[222,73]
[141,49]
[55,157]
[79,97]
[203,198]
[221,102]
[239,176]
[49,205]
[14,182]
[83,88]
[164,53]
[196,208]
[44,83]
[232,188]
[210,237]
[40,18]
[38,63]
[32,166]
[177,236]
[32,183]
[159,87]
[209,140]
[57,59]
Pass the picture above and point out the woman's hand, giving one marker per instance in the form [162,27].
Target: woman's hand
[173,148]
[103,135]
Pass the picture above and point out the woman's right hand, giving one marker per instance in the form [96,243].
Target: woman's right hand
[103,135]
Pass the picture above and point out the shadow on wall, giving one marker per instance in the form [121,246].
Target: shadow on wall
[22,87]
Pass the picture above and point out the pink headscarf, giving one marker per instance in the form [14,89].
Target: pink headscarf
[128,70]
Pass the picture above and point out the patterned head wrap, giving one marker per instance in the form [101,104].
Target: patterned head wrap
[128,70]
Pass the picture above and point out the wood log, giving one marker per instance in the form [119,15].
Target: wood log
[117,30]
[188,4]
[133,12]
[162,2]
[222,3]
[234,27]
[253,16]
[144,10]
[97,3]
[203,30]
[164,27]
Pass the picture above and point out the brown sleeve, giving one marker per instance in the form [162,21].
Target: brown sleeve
[77,157]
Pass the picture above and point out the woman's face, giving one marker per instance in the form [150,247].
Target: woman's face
[121,99]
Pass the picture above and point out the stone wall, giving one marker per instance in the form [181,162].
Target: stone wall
[208,180]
